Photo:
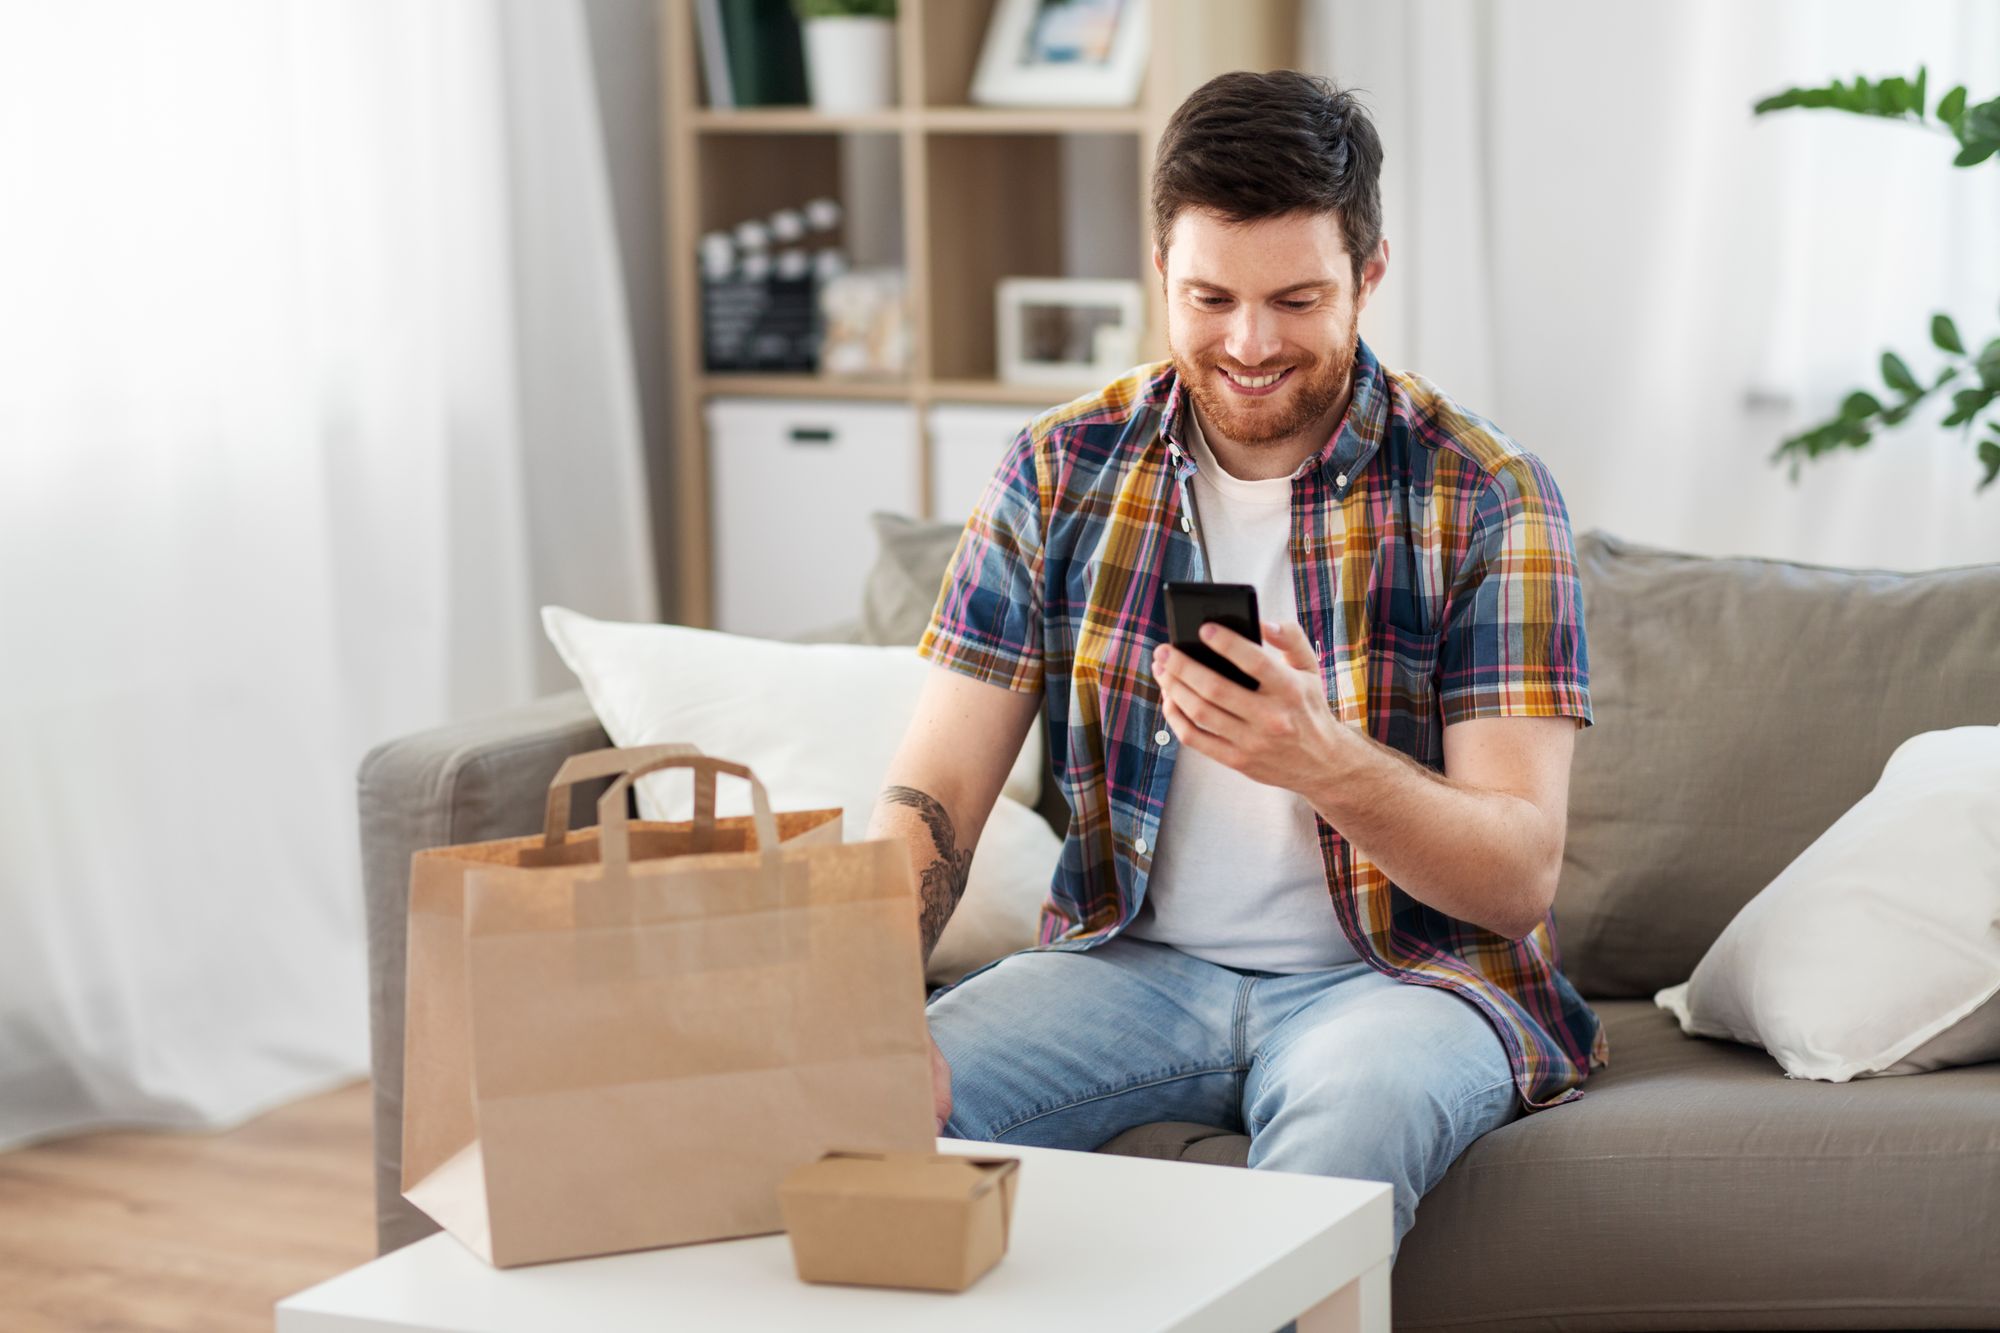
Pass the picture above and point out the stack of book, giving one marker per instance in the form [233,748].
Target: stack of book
[751,53]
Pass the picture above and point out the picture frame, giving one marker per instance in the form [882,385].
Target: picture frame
[865,325]
[1068,331]
[1068,53]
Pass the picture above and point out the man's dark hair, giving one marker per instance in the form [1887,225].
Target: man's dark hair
[1251,146]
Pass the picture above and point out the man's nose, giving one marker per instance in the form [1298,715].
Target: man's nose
[1253,335]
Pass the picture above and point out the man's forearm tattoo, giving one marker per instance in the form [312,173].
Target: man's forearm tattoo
[944,878]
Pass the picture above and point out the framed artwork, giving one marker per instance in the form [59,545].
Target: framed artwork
[1062,53]
[1067,330]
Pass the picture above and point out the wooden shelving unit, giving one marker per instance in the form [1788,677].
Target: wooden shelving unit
[981,198]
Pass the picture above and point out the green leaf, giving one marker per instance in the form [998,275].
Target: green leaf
[1803,443]
[1923,73]
[1897,96]
[1951,107]
[1897,375]
[1988,365]
[1820,439]
[1860,405]
[1795,97]
[1978,131]
[1989,454]
[1967,404]
[1944,334]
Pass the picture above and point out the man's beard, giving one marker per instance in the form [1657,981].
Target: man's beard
[1314,389]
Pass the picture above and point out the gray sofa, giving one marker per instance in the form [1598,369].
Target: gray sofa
[1742,705]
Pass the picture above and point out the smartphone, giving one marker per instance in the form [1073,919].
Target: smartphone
[1191,605]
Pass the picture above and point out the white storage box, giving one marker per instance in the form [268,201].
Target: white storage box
[793,482]
[967,443]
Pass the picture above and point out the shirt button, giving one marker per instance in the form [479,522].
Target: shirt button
[1340,480]
[1140,846]
[1162,736]
[1185,525]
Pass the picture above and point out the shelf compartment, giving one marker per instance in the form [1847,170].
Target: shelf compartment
[760,174]
[935,391]
[1006,206]
[995,212]
[938,119]
[805,386]
[998,391]
[797,120]
[1037,120]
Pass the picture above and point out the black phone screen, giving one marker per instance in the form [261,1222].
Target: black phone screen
[1190,605]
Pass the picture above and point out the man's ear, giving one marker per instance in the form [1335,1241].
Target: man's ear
[1372,274]
[1160,262]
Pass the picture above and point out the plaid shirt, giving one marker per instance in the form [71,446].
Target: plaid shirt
[1433,569]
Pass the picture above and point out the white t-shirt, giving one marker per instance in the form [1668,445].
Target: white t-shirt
[1237,875]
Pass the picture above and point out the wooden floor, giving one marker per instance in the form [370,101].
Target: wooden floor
[157,1231]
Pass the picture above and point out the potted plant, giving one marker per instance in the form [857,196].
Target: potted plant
[850,53]
[1976,400]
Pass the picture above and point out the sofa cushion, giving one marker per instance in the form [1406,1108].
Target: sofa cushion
[1877,950]
[903,585]
[1742,705]
[1869,1204]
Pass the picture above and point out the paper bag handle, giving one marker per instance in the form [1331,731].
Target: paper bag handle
[614,844]
[597,764]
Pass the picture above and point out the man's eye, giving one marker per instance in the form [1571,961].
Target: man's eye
[1298,305]
[1211,302]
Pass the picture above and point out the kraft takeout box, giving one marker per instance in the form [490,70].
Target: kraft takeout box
[934,1221]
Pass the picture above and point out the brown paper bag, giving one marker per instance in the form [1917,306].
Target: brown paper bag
[625,1037]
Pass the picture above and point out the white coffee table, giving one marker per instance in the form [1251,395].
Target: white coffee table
[1098,1242]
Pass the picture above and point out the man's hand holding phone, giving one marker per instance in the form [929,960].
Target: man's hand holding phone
[1277,730]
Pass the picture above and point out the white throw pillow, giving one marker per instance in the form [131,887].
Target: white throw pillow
[818,724]
[1877,950]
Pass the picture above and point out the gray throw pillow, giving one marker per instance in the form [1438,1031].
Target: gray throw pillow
[1742,706]
[902,588]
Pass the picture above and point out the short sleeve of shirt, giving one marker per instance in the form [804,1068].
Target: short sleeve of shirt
[988,619]
[1513,639]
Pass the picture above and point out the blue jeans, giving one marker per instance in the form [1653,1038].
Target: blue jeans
[1344,1072]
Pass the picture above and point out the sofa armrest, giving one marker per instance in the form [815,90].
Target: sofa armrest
[486,778]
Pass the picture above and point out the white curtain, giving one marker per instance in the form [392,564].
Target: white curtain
[314,383]
[1595,244]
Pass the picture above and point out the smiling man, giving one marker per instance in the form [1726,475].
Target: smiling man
[1318,912]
